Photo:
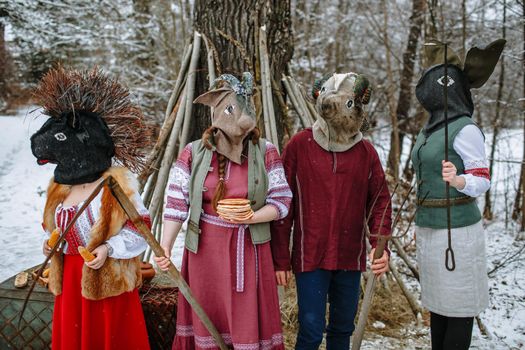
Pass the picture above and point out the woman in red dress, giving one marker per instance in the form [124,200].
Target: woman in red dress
[227,264]
[97,305]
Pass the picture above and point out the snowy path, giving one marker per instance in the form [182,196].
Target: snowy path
[22,186]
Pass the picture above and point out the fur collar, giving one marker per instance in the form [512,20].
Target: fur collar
[116,275]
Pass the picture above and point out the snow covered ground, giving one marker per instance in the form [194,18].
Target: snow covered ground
[23,182]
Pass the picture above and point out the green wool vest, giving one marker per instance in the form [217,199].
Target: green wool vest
[427,155]
[257,190]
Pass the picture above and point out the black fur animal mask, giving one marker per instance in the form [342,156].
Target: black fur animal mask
[93,124]
[79,143]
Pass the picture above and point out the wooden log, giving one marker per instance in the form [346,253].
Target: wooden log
[482,328]
[403,255]
[150,187]
[264,96]
[286,122]
[169,120]
[211,66]
[301,99]
[143,229]
[157,199]
[267,86]
[304,119]
[414,305]
[190,90]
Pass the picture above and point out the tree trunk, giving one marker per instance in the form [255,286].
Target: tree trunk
[393,165]
[231,27]
[496,122]
[144,56]
[522,187]
[405,84]
[464,27]
[4,69]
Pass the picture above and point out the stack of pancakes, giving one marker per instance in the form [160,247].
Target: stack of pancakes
[237,209]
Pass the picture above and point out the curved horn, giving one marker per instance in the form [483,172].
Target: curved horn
[362,89]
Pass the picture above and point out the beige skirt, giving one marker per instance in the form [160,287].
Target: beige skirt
[464,291]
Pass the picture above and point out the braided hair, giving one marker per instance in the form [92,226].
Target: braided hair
[220,190]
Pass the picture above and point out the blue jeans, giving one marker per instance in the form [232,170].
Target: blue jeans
[342,289]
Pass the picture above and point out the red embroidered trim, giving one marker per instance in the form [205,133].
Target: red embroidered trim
[479,172]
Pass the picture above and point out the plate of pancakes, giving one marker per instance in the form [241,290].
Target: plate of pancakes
[237,209]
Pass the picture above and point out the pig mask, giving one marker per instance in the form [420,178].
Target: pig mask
[233,113]
[339,102]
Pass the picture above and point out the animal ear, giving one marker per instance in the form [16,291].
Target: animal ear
[480,62]
[362,89]
[214,97]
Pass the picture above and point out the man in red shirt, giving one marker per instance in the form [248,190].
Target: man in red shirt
[339,190]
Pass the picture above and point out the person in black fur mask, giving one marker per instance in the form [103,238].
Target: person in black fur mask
[78,142]
[92,124]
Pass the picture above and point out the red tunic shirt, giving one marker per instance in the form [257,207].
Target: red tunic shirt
[333,193]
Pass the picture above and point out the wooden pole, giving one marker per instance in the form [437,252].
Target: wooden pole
[169,155]
[359,332]
[267,99]
[301,99]
[211,68]
[416,309]
[304,119]
[185,290]
[169,120]
[190,90]
[403,255]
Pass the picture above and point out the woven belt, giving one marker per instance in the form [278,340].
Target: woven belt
[442,203]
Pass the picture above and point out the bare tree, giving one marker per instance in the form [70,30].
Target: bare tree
[231,28]
[522,178]
[405,86]
[496,121]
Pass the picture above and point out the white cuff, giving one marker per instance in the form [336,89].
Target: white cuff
[475,186]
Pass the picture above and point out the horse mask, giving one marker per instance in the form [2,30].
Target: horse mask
[92,120]
[79,143]
[233,113]
[479,65]
[339,102]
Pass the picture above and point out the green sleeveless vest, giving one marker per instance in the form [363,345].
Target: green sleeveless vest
[257,190]
[427,155]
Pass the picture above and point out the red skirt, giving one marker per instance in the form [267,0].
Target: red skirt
[234,282]
[112,323]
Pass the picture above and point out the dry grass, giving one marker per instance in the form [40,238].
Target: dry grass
[389,307]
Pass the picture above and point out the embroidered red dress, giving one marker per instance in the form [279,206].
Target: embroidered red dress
[112,323]
[231,278]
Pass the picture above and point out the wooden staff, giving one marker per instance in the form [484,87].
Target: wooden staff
[59,242]
[143,229]
[357,337]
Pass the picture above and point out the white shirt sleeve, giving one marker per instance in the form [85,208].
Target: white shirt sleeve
[129,243]
[470,146]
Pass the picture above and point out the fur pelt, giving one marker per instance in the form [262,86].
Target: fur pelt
[116,276]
